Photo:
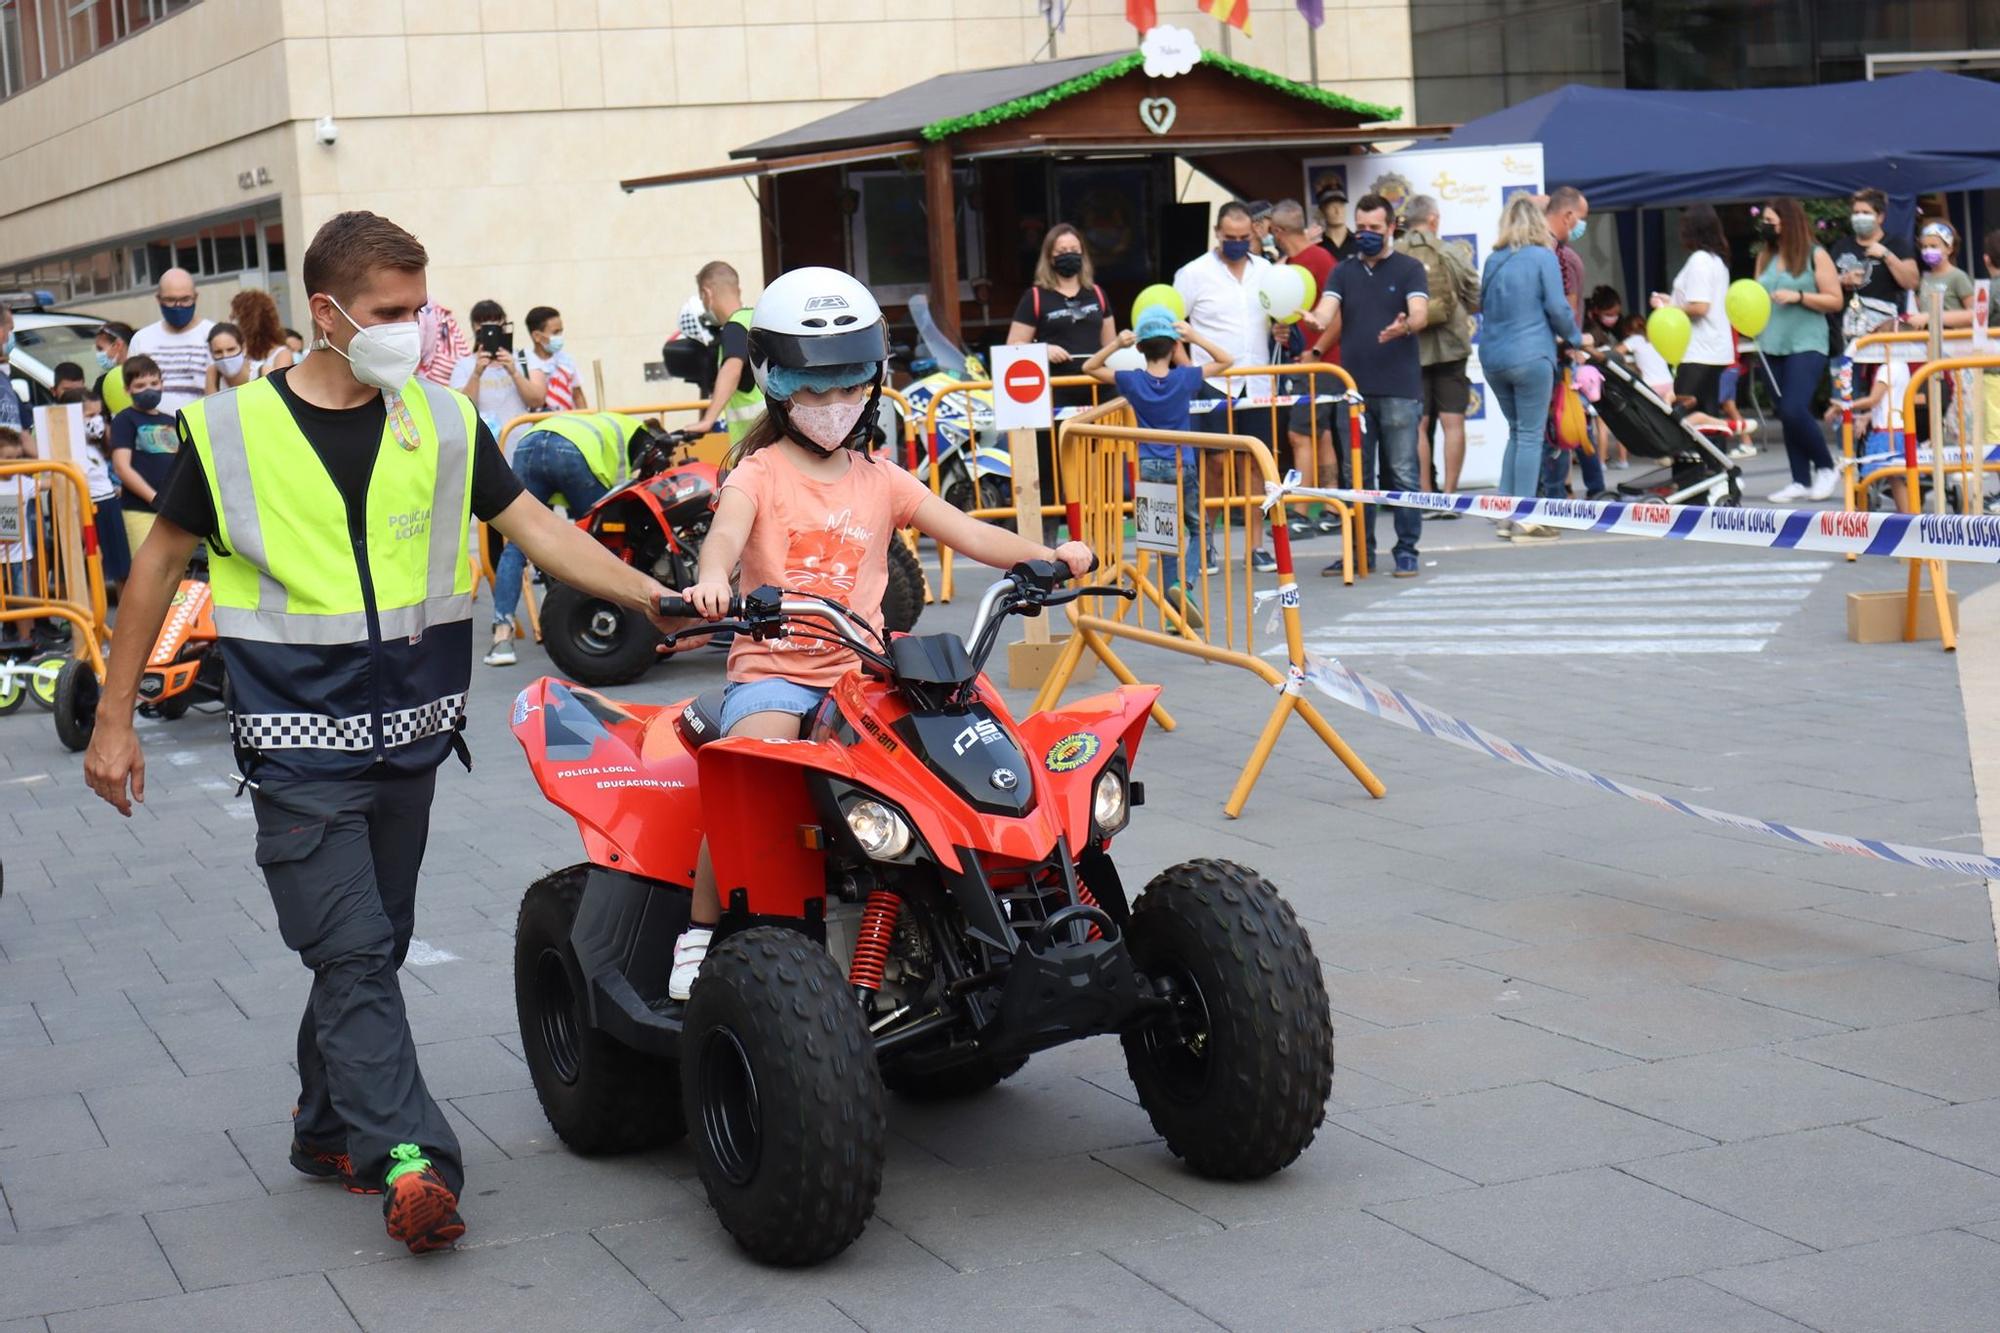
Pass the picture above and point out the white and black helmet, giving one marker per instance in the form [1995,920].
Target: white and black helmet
[816,319]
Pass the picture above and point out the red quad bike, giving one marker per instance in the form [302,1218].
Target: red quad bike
[185,669]
[657,521]
[918,894]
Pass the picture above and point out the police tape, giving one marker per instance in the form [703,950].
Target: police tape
[1344,685]
[1969,537]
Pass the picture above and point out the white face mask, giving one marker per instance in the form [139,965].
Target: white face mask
[555,344]
[231,365]
[826,424]
[383,355]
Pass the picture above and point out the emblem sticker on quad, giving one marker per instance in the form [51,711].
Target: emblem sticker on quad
[1072,752]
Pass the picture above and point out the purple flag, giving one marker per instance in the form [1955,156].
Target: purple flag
[1314,12]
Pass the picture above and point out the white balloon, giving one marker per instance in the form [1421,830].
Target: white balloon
[1285,292]
[1126,358]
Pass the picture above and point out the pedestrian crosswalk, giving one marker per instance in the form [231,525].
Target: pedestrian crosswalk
[1712,608]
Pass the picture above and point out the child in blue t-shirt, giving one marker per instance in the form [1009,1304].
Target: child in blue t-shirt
[1160,397]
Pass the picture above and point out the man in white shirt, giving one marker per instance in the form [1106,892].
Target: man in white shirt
[177,341]
[1220,289]
[494,377]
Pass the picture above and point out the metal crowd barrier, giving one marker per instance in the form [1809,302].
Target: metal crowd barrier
[50,568]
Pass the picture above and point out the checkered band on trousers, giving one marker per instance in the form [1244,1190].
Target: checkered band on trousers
[317,731]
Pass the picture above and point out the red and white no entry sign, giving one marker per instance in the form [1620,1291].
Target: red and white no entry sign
[1021,376]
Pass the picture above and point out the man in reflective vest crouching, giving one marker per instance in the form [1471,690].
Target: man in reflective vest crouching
[336,498]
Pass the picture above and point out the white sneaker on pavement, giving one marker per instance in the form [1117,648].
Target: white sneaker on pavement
[502,651]
[690,951]
[1790,491]
[1824,483]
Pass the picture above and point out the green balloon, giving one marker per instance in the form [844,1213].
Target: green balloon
[1162,294]
[1668,330]
[1748,305]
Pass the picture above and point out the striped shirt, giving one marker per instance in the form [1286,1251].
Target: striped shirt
[183,357]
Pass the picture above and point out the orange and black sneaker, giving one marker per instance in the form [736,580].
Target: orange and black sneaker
[418,1208]
[329,1166]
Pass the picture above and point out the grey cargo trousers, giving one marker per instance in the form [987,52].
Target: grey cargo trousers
[341,861]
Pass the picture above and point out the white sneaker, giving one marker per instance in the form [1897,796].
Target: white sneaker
[1744,450]
[1824,483]
[502,651]
[1535,532]
[1786,493]
[690,951]
[1504,529]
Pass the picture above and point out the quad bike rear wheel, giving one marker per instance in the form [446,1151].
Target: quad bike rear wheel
[1236,1080]
[593,641]
[76,704]
[903,599]
[780,1089]
[599,1096]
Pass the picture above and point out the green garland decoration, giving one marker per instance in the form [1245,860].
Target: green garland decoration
[1125,64]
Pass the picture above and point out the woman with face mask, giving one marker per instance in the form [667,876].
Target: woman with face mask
[1066,309]
[231,365]
[1804,289]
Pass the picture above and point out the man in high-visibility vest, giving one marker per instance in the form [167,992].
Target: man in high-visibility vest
[736,401]
[336,498]
[578,456]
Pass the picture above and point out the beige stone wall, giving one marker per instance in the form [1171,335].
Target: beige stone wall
[497,130]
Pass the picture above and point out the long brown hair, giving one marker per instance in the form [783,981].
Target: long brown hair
[763,433]
[1045,274]
[1795,240]
[253,311]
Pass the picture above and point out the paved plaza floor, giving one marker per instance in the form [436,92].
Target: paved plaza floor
[1599,1067]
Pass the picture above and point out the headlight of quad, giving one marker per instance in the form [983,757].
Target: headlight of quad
[880,831]
[1110,805]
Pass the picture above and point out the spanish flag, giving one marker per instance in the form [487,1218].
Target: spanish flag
[1233,12]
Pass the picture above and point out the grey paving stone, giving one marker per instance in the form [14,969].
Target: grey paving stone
[90,1017]
[1871,993]
[468,1066]
[72,1268]
[1466,1054]
[1673,1306]
[296,1304]
[1343,1270]
[138,1115]
[33,979]
[1020,1213]
[87,1065]
[1340,1169]
[1745,1094]
[1025,1118]
[294,1233]
[1659,1022]
[1973,960]
[1568,1234]
[1533,1129]
[1830,1187]
[84,1185]
[513,1121]
[1948,1057]
[693,1265]
[1614,965]
[39,1126]
[546,1282]
[21,1027]
[1396,997]
[1954,911]
[815,1316]
[1556,917]
[215,1042]
[1408,938]
[1946,1280]
[1968,1132]
[1735,892]
[1790,940]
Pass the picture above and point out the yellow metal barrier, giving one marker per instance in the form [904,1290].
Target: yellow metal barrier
[1972,485]
[1100,456]
[50,522]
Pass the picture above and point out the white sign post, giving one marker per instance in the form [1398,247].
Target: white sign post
[1472,187]
[1023,404]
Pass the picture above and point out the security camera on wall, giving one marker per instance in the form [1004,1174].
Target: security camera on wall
[326,130]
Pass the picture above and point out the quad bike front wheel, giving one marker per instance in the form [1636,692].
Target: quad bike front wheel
[780,1089]
[76,704]
[593,641]
[600,1096]
[903,599]
[1236,1079]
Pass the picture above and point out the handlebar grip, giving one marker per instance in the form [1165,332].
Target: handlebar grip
[679,608]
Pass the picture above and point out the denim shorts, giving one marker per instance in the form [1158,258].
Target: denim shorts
[773,694]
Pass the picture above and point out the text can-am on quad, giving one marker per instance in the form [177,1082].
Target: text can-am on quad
[656,521]
[918,894]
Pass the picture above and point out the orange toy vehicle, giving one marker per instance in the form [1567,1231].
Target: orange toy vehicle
[919,894]
[185,669]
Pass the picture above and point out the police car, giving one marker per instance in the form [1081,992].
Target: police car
[45,338]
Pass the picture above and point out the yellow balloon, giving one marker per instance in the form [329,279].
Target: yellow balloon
[1160,293]
[1749,306]
[1668,330]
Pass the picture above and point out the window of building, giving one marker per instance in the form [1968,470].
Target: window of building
[231,247]
[39,39]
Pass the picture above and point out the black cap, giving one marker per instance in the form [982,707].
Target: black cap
[1259,208]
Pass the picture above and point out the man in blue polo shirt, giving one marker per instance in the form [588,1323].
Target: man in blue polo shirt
[1380,302]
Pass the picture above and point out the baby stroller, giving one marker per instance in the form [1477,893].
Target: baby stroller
[1693,466]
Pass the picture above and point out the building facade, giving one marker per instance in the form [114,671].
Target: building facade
[217,135]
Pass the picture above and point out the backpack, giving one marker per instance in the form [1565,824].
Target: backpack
[1102,304]
[1438,276]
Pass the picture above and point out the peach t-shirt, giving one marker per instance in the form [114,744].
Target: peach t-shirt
[825,537]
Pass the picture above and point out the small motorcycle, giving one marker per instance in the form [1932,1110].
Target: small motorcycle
[918,895]
[656,521]
[185,669]
[975,470]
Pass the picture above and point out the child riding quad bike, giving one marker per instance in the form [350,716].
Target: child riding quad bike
[918,894]
[656,520]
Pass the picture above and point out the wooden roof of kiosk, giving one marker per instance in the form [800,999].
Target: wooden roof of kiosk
[1236,123]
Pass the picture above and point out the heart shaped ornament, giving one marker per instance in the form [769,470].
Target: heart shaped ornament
[1157,113]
